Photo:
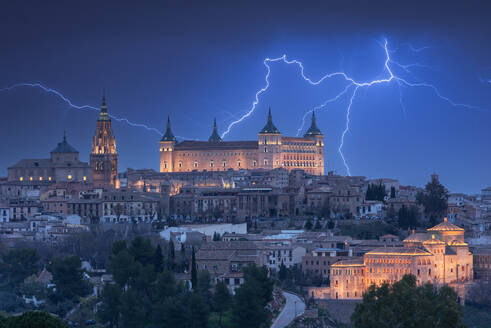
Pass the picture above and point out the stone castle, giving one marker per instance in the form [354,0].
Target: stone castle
[270,151]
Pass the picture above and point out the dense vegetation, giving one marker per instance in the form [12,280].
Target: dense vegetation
[404,304]
[145,293]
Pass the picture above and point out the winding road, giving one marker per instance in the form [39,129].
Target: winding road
[294,307]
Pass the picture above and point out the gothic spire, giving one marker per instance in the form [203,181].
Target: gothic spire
[104,116]
[269,128]
[168,136]
[215,137]
[313,130]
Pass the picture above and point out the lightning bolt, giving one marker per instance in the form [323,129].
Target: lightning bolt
[351,84]
[82,107]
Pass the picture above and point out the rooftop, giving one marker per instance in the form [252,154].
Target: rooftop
[446,226]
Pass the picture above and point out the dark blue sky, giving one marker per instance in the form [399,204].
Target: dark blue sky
[197,60]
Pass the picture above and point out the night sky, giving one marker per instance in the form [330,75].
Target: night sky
[197,60]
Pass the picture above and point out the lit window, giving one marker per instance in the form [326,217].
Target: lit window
[195,164]
[85,178]
[49,178]
[40,178]
[30,178]
[21,178]
[69,177]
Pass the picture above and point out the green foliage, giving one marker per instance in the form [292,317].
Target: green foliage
[33,319]
[158,259]
[434,200]
[216,236]
[18,264]
[10,302]
[171,257]
[330,224]
[194,274]
[122,266]
[249,310]
[110,308]
[308,224]
[221,301]
[317,225]
[283,272]
[68,277]
[408,217]
[404,304]
[392,192]
[142,250]
[376,192]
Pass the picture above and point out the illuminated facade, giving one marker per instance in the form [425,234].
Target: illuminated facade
[271,150]
[62,166]
[104,158]
[439,256]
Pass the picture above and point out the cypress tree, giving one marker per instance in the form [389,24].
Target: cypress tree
[194,274]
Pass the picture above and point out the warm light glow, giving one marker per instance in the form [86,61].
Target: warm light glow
[30,178]
[21,178]
[40,178]
[49,178]
[69,177]
[85,178]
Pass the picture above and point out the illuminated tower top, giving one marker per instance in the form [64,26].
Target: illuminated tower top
[313,130]
[269,128]
[168,136]
[104,141]
[215,137]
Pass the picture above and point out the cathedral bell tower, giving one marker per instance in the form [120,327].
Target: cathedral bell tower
[318,138]
[104,158]
[167,149]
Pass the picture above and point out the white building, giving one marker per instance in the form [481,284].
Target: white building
[4,212]
[289,255]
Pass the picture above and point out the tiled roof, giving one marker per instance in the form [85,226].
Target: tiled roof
[224,145]
[446,226]
[417,237]
[354,262]
[64,147]
[398,251]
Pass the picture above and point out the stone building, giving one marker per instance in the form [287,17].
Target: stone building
[104,158]
[439,256]
[271,150]
[62,166]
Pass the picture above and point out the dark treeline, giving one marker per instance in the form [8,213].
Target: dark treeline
[145,293]
[376,192]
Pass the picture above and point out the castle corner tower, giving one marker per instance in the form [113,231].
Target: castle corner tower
[316,135]
[104,158]
[269,145]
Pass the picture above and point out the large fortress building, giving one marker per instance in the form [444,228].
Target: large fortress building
[271,150]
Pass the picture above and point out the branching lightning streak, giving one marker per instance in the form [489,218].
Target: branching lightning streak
[351,83]
[82,107]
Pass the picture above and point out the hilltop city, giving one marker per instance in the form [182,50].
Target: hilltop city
[221,216]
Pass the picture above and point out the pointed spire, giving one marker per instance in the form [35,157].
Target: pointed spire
[313,130]
[269,128]
[215,137]
[168,136]
[104,116]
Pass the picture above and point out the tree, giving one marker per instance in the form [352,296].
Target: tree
[122,267]
[68,278]
[33,319]
[308,224]
[158,259]
[142,250]
[216,236]
[198,311]
[110,309]
[248,310]
[404,304]
[392,192]
[18,264]
[283,272]
[376,192]
[330,224]
[194,274]
[434,200]
[260,275]
[221,300]
[408,217]
[171,257]
[317,225]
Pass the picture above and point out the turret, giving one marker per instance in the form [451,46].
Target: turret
[315,133]
[167,149]
[269,145]
[215,137]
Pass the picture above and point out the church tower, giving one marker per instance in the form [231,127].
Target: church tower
[167,149]
[316,135]
[104,158]
[269,145]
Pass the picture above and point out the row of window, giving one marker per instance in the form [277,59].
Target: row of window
[69,177]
